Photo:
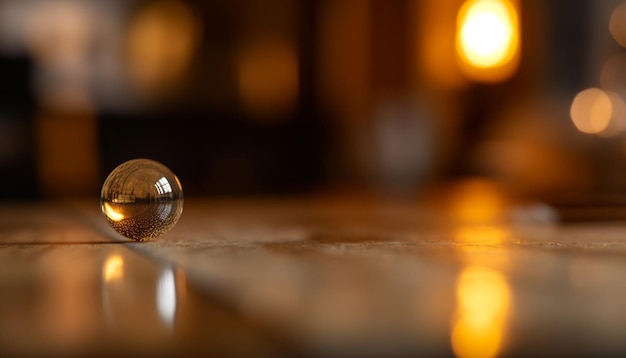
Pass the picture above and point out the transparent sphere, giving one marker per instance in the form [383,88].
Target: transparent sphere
[142,199]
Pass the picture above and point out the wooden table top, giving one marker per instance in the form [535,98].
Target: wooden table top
[310,276]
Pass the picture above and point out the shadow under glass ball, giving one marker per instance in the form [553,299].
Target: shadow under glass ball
[142,199]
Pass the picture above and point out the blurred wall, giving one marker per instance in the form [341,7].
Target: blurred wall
[294,96]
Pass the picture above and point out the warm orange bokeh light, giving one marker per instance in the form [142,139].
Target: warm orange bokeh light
[435,52]
[113,268]
[483,302]
[477,201]
[617,123]
[112,213]
[482,235]
[268,76]
[487,39]
[162,40]
[591,111]
[617,25]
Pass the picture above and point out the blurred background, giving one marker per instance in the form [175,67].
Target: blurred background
[246,97]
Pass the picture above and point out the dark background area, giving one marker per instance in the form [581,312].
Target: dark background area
[299,96]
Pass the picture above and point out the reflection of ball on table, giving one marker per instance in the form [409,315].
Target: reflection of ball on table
[142,199]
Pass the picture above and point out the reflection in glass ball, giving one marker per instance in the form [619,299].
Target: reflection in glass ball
[142,199]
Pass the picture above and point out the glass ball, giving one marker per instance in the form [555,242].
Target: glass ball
[142,199]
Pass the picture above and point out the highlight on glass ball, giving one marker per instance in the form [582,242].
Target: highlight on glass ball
[142,199]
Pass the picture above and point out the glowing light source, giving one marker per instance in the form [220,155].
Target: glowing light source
[487,39]
[483,300]
[113,268]
[591,111]
[112,213]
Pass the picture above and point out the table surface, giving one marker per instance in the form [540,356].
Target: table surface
[313,277]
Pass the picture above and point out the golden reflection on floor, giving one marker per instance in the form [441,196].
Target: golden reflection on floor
[483,295]
[483,302]
[310,278]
